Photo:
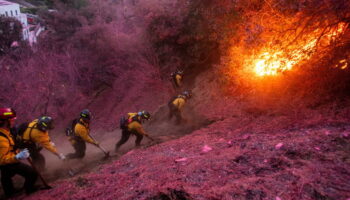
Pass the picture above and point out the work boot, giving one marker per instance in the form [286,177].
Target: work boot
[32,190]
[138,145]
[14,193]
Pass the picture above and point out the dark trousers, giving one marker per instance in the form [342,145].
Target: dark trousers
[173,111]
[10,170]
[79,147]
[38,159]
[125,137]
[35,155]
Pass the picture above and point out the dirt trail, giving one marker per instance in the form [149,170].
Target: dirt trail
[160,128]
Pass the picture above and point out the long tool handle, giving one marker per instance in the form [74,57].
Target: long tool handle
[102,149]
[47,186]
[149,137]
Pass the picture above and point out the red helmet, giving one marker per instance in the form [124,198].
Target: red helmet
[7,113]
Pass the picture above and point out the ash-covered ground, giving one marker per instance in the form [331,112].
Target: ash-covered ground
[223,151]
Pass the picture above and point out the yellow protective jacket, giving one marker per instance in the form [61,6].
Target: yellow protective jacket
[132,116]
[179,102]
[33,135]
[82,130]
[178,80]
[7,152]
[134,124]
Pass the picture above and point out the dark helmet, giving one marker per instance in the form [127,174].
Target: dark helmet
[45,123]
[144,114]
[187,94]
[7,113]
[85,114]
[180,72]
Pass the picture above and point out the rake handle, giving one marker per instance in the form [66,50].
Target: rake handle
[39,174]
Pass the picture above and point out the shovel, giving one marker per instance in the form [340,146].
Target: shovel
[46,186]
[154,140]
[149,137]
[71,172]
[104,151]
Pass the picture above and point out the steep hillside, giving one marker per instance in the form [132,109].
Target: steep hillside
[269,116]
[235,155]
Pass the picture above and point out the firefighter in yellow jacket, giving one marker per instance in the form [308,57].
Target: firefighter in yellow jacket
[176,79]
[177,104]
[80,134]
[35,137]
[133,125]
[9,157]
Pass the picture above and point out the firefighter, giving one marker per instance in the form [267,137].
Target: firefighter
[176,105]
[133,125]
[80,134]
[35,137]
[176,79]
[9,157]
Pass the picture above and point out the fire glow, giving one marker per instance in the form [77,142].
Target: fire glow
[271,62]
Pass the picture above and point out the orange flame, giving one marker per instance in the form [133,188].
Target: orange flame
[270,61]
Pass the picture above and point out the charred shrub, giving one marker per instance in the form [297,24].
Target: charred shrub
[194,42]
[255,195]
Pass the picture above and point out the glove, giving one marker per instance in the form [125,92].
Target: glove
[24,154]
[61,156]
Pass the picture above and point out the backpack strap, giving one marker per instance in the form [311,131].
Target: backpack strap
[3,135]
[30,132]
[26,143]
[83,125]
[79,122]
[135,119]
[74,123]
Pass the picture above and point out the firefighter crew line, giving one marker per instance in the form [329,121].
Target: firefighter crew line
[25,141]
